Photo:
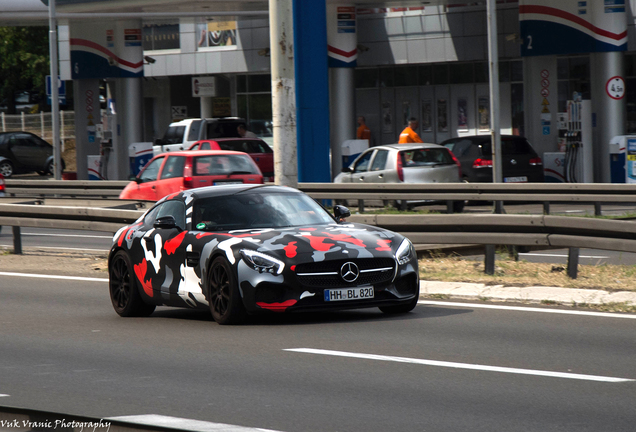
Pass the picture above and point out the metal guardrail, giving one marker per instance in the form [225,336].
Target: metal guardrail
[423,230]
[545,193]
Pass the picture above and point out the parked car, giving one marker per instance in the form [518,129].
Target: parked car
[246,249]
[25,152]
[255,147]
[404,163]
[520,162]
[173,172]
[2,186]
[182,134]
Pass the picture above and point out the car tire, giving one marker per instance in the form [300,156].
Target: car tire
[6,168]
[400,309]
[124,293]
[226,304]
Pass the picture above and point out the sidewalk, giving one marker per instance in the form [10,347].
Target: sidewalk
[539,294]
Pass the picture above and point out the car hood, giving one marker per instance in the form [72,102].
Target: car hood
[316,243]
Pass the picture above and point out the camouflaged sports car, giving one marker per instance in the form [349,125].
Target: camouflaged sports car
[243,249]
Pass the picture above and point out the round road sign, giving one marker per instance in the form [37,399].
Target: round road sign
[615,87]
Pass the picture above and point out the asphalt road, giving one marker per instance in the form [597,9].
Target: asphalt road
[445,368]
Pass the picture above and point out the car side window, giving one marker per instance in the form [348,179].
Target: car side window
[362,164]
[173,167]
[379,161]
[151,170]
[195,127]
[175,209]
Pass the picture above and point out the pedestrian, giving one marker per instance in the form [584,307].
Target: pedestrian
[363,130]
[409,135]
[244,133]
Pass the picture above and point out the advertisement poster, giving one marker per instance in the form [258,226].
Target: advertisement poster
[462,115]
[216,34]
[427,116]
[387,118]
[442,115]
[484,113]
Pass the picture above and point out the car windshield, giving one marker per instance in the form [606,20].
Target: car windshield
[257,209]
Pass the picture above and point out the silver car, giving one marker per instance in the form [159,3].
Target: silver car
[404,163]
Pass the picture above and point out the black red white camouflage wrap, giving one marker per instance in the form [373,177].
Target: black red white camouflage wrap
[171,265]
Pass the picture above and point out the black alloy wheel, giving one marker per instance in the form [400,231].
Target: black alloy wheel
[124,294]
[226,304]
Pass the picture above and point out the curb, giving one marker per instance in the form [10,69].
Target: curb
[537,294]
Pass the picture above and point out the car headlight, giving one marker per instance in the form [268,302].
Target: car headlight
[404,252]
[262,262]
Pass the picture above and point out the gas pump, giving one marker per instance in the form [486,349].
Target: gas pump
[578,163]
[106,144]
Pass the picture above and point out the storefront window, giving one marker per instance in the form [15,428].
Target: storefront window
[440,74]
[366,78]
[426,74]
[405,76]
[461,73]
[216,34]
[161,37]
[254,104]
[386,77]
[482,75]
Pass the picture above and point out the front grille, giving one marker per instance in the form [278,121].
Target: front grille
[372,271]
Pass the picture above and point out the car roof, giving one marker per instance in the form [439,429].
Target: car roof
[222,190]
[415,146]
[202,153]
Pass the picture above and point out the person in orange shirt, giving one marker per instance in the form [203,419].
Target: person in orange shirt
[363,130]
[409,135]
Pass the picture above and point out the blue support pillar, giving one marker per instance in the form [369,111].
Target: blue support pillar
[312,90]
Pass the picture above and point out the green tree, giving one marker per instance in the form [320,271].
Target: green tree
[24,62]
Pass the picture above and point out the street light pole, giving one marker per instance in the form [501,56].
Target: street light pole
[493,64]
[55,97]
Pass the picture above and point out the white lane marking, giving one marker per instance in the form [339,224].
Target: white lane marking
[184,424]
[43,276]
[63,248]
[561,256]
[66,235]
[526,309]
[4,395]
[461,365]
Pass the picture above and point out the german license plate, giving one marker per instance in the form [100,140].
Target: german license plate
[522,179]
[343,294]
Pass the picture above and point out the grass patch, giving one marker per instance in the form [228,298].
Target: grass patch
[508,272]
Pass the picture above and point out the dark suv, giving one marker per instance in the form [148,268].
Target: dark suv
[25,152]
[520,163]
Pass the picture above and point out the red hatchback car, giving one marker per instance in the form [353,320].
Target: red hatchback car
[180,170]
[256,148]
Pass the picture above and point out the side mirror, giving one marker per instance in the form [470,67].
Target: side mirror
[165,222]
[347,169]
[341,213]
[136,179]
[158,141]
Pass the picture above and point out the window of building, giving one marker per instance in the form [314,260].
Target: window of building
[405,76]
[161,36]
[366,78]
[573,75]
[461,73]
[630,93]
[254,103]
[214,34]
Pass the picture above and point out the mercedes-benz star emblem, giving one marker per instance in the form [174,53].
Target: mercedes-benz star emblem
[349,272]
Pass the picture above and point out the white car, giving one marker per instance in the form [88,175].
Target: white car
[404,163]
[182,134]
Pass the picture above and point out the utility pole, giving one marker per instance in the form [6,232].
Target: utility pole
[281,25]
[493,64]
[55,94]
